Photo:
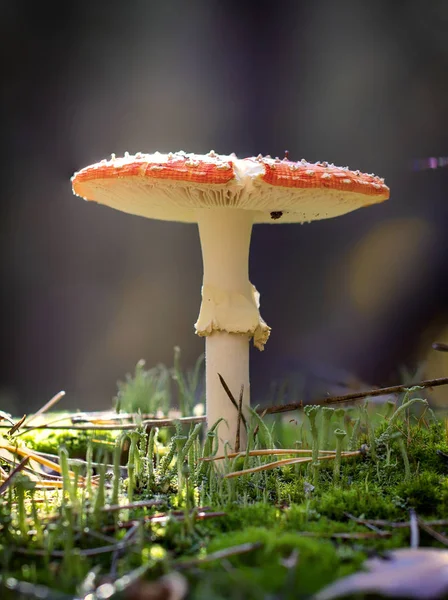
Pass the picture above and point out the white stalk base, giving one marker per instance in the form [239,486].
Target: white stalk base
[228,355]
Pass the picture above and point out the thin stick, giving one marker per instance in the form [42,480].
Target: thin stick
[106,417]
[355,535]
[393,389]
[87,552]
[162,518]
[131,505]
[54,483]
[285,462]
[238,423]
[400,524]
[363,522]
[218,555]
[5,485]
[440,346]
[34,456]
[118,549]
[26,428]
[231,398]
[120,426]
[17,425]
[79,461]
[266,452]
[47,406]
[435,534]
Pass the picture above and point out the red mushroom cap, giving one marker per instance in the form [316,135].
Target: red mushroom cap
[174,186]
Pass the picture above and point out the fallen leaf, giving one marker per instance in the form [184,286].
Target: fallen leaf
[420,573]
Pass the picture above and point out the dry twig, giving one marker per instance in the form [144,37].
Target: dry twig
[285,462]
[219,555]
[5,485]
[265,452]
[432,532]
[238,423]
[393,389]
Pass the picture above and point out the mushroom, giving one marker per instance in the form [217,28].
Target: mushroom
[226,196]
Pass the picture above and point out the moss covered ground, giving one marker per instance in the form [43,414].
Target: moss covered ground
[141,507]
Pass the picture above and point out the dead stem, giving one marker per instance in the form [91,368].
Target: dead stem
[36,457]
[131,505]
[432,532]
[163,517]
[266,452]
[285,462]
[440,346]
[26,428]
[119,549]
[120,426]
[394,389]
[363,522]
[354,535]
[87,552]
[231,398]
[17,425]
[79,461]
[5,485]
[47,406]
[219,555]
[238,423]
[399,524]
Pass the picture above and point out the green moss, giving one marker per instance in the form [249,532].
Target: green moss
[76,442]
[299,536]
[253,515]
[423,493]
[423,445]
[317,561]
[366,499]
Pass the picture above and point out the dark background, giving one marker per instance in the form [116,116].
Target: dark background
[87,291]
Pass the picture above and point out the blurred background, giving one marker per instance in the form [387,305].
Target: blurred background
[87,291]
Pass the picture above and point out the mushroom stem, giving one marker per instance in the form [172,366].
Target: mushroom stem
[228,355]
[229,314]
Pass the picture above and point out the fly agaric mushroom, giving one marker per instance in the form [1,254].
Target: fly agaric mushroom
[225,196]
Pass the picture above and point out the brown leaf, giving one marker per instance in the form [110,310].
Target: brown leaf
[420,573]
[169,587]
